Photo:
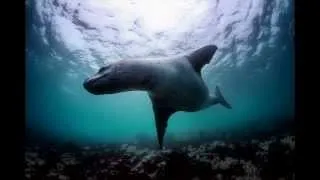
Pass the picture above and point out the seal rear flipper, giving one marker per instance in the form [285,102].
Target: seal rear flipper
[161,115]
[221,99]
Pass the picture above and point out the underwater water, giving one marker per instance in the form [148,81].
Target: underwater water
[68,40]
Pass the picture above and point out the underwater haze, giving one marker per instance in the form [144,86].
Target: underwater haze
[68,40]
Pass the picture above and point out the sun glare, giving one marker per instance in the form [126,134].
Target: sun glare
[155,15]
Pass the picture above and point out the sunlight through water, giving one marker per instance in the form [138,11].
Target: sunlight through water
[68,40]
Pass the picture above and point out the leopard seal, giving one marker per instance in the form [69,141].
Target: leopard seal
[173,84]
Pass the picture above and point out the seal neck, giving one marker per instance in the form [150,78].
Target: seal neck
[136,75]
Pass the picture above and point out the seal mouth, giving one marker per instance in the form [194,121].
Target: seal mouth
[90,84]
[87,84]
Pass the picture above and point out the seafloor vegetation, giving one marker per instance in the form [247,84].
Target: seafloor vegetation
[271,158]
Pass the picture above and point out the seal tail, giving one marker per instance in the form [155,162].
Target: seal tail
[221,99]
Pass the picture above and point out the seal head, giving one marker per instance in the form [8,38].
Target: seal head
[102,82]
[125,75]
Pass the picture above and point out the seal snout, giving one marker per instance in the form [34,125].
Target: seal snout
[89,85]
[86,83]
[213,48]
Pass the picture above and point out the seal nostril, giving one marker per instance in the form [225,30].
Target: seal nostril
[86,83]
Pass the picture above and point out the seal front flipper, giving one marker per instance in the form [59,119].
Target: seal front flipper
[161,114]
[201,57]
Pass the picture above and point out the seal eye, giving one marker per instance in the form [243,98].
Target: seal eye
[102,69]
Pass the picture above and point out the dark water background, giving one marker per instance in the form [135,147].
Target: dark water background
[254,67]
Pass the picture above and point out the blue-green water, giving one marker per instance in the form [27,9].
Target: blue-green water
[68,40]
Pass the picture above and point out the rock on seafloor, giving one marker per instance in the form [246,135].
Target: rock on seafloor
[272,158]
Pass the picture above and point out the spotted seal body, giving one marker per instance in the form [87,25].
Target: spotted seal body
[173,84]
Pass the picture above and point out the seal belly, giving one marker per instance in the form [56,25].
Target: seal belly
[188,97]
[181,88]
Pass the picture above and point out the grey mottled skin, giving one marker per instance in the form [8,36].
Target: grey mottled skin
[173,84]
